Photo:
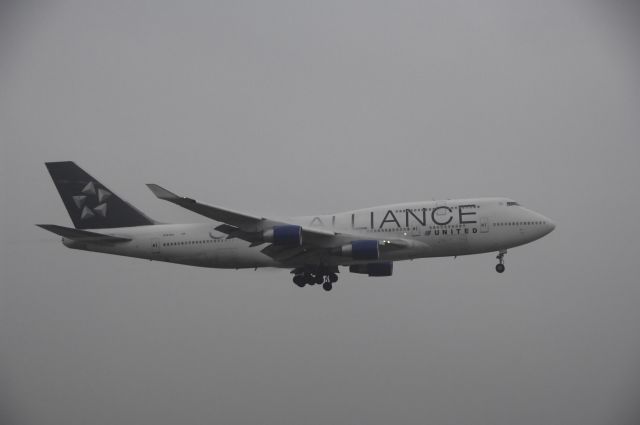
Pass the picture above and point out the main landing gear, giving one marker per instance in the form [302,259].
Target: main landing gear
[500,265]
[320,276]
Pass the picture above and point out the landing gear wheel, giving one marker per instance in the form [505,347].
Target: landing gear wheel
[333,278]
[327,286]
[318,279]
[299,280]
[500,265]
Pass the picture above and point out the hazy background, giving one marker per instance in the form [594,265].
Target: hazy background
[292,107]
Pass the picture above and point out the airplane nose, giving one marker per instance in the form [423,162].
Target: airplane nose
[550,224]
[546,224]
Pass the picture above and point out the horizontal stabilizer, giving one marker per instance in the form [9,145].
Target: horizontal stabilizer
[81,235]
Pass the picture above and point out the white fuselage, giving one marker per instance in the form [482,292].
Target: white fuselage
[430,229]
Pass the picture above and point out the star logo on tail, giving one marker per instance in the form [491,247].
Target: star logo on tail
[90,192]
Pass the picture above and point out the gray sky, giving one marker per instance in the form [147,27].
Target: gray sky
[297,108]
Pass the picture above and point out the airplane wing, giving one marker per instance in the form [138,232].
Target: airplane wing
[250,228]
[237,219]
[82,235]
[241,225]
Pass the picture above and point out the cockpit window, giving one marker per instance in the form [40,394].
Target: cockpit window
[511,204]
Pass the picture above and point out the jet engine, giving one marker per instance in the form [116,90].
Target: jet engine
[287,235]
[361,250]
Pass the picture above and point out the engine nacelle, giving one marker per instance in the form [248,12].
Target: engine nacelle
[284,235]
[361,250]
[373,269]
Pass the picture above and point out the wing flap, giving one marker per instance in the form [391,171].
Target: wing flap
[281,253]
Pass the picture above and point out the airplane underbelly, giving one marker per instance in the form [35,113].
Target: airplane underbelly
[236,258]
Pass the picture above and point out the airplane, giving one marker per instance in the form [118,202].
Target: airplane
[367,241]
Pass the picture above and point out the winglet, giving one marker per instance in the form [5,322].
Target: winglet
[161,192]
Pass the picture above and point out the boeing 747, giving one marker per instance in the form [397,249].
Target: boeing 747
[367,241]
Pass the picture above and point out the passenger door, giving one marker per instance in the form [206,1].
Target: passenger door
[155,248]
[484,224]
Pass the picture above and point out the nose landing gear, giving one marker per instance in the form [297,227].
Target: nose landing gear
[500,266]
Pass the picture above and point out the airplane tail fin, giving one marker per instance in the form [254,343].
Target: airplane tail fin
[89,203]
